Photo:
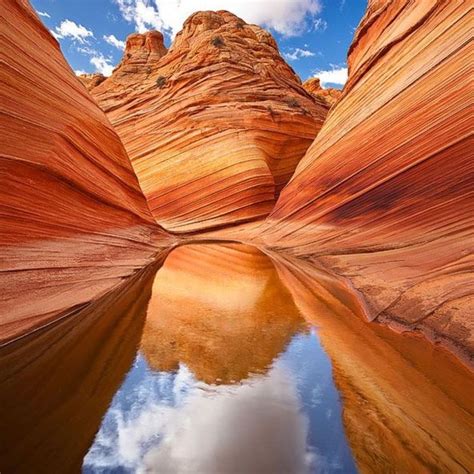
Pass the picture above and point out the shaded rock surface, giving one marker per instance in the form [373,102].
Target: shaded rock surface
[384,194]
[329,95]
[222,121]
[73,219]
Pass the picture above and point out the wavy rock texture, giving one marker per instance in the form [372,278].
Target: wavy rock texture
[208,316]
[329,95]
[222,121]
[72,217]
[395,390]
[385,191]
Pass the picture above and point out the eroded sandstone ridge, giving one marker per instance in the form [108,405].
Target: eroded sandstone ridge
[384,194]
[72,217]
[214,127]
[92,80]
[329,95]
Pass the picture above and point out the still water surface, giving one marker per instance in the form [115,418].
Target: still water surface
[228,361]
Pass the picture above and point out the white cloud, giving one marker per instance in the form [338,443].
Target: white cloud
[69,29]
[320,24]
[336,75]
[297,53]
[151,435]
[45,14]
[79,72]
[98,60]
[102,64]
[288,17]
[114,41]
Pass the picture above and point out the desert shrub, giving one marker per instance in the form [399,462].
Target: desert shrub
[161,81]
[293,103]
[217,41]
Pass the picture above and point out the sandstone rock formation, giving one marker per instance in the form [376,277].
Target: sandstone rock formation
[215,127]
[73,219]
[329,95]
[384,194]
[92,80]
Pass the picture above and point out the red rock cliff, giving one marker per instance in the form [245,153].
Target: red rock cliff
[72,217]
[384,194]
[222,122]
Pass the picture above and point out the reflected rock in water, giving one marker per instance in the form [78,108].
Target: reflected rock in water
[56,384]
[407,403]
[219,309]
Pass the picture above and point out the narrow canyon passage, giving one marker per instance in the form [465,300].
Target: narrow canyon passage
[220,359]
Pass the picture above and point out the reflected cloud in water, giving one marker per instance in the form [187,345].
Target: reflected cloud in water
[171,422]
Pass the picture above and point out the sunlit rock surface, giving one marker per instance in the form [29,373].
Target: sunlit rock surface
[72,217]
[384,194]
[329,95]
[216,126]
[209,315]
[407,404]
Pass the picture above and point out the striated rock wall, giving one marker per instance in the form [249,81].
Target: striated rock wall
[73,220]
[384,194]
[222,121]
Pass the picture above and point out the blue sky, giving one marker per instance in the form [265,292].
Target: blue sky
[313,35]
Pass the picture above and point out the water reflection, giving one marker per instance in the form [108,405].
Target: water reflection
[56,384]
[221,310]
[231,361]
[229,378]
[407,404]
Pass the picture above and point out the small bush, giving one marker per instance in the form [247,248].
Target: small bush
[217,41]
[293,103]
[161,81]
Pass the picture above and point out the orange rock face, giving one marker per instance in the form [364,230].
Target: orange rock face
[330,95]
[92,80]
[222,121]
[384,195]
[72,217]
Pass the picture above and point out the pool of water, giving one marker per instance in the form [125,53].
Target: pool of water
[227,360]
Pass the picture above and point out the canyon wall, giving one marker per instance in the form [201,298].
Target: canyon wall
[215,126]
[73,219]
[384,194]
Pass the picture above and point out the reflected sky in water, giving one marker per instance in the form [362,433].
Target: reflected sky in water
[287,420]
